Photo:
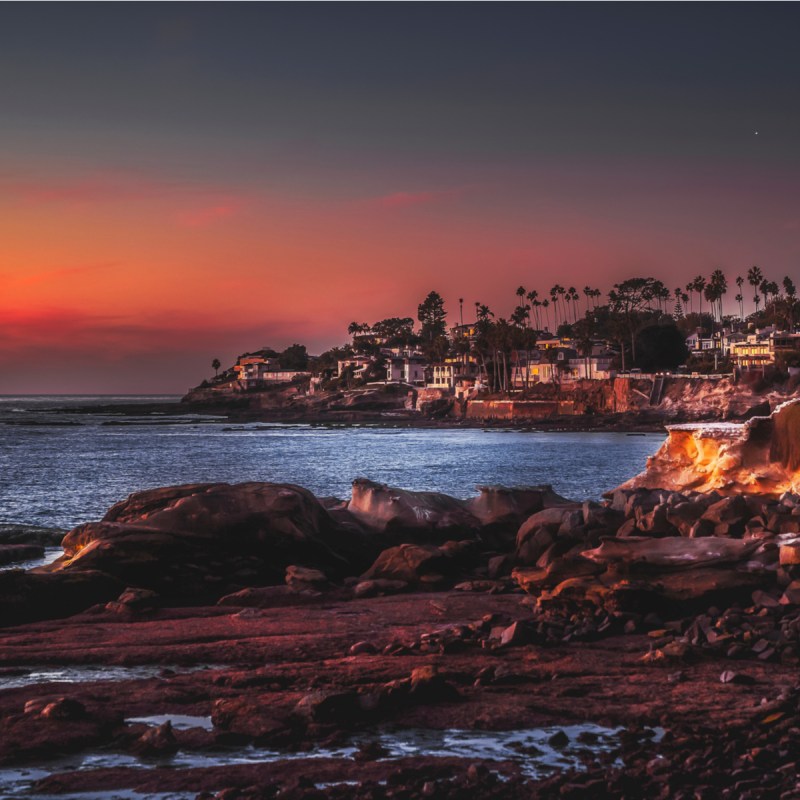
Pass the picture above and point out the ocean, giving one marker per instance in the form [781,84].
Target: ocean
[59,469]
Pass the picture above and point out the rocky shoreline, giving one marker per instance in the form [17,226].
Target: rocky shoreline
[621,405]
[268,643]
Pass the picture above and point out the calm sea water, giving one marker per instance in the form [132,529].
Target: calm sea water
[59,470]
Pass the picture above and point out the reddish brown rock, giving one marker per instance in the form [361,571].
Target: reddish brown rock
[409,563]
[202,539]
[388,510]
[158,741]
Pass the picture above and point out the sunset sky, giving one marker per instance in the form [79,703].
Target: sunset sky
[180,182]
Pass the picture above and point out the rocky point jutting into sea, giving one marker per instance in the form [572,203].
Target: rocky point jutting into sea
[622,402]
[256,641]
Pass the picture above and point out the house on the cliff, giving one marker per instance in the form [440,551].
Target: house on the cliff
[252,366]
[452,371]
[763,348]
[355,365]
[406,367]
[256,370]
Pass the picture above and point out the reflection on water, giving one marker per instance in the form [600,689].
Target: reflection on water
[50,555]
[537,752]
[14,677]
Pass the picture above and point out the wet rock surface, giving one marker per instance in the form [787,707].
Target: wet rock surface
[364,649]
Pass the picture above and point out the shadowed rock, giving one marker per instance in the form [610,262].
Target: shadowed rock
[384,509]
[28,597]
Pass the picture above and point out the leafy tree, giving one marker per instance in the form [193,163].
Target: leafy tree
[329,360]
[267,352]
[397,331]
[294,357]
[627,301]
[564,330]
[660,347]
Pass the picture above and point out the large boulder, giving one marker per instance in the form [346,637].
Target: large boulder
[205,539]
[410,563]
[540,531]
[500,505]
[386,510]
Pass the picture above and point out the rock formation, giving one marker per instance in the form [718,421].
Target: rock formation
[759,456]
[414,611]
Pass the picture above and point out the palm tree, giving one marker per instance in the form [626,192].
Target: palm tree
[546,307]
[215,365]
[554,303]
[764,287]
[536,305]
[740,297]
[772,289]
[720,286]
[461,310]
[690,295]
[573,293]
[791,300]
[532,298]
[357,327]
[483,330]
[754,278]
[561,292]
[699,285]
[520,293]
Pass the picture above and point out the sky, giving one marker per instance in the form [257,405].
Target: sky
[183,182]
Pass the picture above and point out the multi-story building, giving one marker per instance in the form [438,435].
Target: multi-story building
[760,349]
[406,368]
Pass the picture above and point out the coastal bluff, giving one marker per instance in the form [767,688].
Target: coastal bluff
[624,402]
[759,456]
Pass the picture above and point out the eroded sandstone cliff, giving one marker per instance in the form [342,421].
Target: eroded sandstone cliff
[761,455]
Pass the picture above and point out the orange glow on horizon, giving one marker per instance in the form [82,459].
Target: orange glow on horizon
[118,266]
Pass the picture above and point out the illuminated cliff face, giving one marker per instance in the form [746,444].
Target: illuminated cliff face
[760,456]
